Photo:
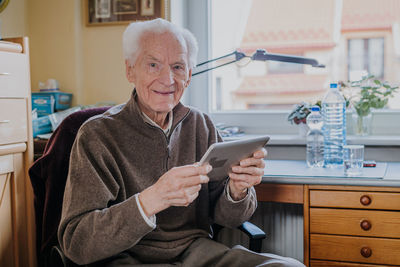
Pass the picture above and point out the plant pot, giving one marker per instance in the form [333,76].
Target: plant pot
[362,124]
[303,129]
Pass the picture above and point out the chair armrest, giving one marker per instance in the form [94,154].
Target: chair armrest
[255,234]
[252,231]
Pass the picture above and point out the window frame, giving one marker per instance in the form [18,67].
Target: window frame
[197,20]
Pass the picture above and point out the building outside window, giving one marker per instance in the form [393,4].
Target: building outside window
[351,37]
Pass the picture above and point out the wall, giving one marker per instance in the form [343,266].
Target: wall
[103,65]
[13,19]
[87,61]
[52,34]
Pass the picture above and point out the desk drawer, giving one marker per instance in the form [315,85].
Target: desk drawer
[317,263]
[14,79]
[355,222]
[13,121]
[355,249]
[355,199]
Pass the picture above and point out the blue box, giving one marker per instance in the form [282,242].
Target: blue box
[41,125]
[43,103]
[61,100]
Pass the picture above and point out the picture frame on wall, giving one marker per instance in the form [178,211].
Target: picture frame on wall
[117,12]
[3,4]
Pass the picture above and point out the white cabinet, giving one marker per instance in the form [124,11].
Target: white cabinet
[14,74]
[17,230]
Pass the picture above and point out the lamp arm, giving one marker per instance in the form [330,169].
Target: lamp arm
[214,59]
[262,55]
[238,56]
[227,63]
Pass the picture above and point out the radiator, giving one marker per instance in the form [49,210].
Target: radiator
[283,225]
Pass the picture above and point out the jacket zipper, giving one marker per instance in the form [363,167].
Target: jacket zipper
[168,139]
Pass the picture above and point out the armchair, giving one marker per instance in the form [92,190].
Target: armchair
[48,177]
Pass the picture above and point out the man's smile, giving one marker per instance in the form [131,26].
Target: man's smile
[166,93]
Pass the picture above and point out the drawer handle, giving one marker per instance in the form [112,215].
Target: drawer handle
[5,121]
[365,225]
[5,73]
[366,252]
[365,200]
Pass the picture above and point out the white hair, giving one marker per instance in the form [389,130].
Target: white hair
[134,32]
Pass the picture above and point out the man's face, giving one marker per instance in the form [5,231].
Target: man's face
[160,73]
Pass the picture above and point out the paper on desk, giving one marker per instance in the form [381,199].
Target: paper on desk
[44,136]
[300,168]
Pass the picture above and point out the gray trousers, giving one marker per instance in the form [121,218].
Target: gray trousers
[206,252]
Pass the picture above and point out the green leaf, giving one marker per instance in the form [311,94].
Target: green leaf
[378,82]
[366,87]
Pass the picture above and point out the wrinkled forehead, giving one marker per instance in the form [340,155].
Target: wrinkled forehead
[164,42]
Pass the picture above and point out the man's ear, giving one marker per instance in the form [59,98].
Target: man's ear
[129,71]
[189,79]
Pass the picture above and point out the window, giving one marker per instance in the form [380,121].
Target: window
[365,56]
[311,28]
[257,96]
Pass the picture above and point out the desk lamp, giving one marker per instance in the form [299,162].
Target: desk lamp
[262,55]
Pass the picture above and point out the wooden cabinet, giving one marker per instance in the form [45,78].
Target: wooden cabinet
[17,245]
[353,226]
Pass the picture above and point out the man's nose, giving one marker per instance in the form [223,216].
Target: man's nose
[166,77]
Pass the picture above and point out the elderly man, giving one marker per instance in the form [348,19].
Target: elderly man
[135,193]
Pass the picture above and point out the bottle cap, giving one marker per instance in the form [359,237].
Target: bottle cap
[315,108]
[333,85]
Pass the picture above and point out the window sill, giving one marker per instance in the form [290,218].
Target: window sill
[288,139]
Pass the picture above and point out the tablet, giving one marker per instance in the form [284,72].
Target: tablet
[222,156]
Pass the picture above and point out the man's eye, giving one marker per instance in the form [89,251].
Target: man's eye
[178,67]
[153,65]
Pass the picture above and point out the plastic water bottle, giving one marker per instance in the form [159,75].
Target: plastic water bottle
[334,128]
[315,138]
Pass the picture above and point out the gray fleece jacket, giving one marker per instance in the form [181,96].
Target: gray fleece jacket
[117,155]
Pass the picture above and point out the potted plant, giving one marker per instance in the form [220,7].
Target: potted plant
[299,113]
[365,95]
[298,116]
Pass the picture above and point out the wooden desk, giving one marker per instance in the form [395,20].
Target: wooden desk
[344,225]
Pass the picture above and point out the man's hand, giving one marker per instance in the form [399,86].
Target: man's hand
[179,186]
[246,174]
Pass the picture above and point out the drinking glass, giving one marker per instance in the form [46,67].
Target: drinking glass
[353,158]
